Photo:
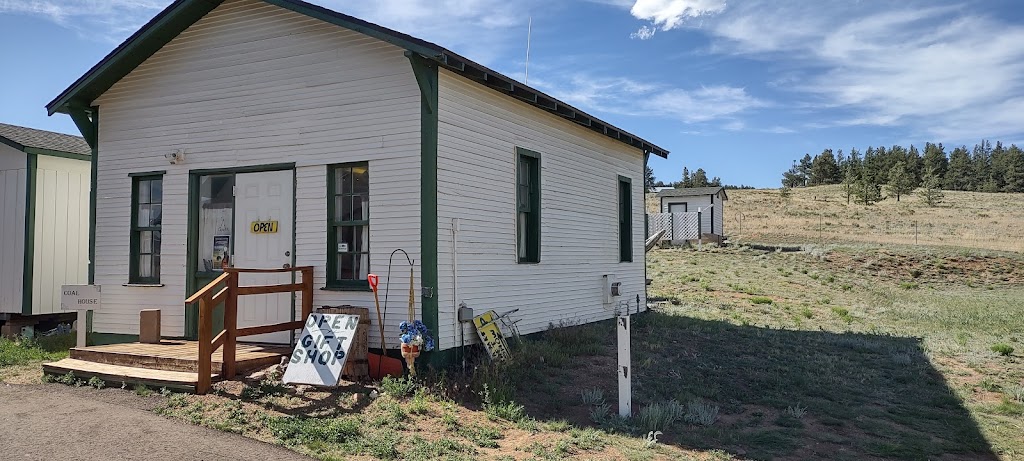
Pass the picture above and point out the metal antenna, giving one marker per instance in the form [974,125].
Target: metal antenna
[529,31]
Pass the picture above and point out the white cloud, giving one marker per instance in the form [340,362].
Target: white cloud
[717,105]
[945,71]
[669,14]
[111,20]
[643,33]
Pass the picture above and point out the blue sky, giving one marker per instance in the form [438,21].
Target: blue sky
[739,88]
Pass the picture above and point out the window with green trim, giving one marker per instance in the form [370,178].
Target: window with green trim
[147,217]
[348,225]
[625,220]
[528,205]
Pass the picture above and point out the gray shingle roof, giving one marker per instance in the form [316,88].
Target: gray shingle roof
[41,139]
[690,192]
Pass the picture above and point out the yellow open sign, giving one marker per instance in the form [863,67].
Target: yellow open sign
[263,227]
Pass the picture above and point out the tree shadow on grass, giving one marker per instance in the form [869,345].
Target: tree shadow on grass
[782,394]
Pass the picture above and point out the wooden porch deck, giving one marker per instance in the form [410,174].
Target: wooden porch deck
[172,363]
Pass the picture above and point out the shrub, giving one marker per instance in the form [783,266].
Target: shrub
[807,312]
[600,413]
[97,383]
[593,396]
[300,430]
[843,313]
[700,412]
[398,387]
[761,300]
[1002,349]
[659,416]
[909,285]
[797,411]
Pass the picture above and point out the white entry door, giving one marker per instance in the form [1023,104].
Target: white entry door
[264,209]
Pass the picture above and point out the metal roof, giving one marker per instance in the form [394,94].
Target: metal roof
[691,191]
[183,13]
[20,137]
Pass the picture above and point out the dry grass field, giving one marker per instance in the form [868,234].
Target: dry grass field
[821,215]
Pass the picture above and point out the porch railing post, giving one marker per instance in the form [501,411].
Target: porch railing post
[230,327]
[307,292]
[205,346]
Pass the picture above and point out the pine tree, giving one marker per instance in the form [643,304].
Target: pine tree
[981,166]
[1014,173]
[931,190]
[699,178]
[958,176]
[686,181]
[805,168]
[934,161]
[824,169]
[793,178]
[648,178]
[900,180]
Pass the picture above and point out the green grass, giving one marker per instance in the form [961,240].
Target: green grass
[41,349]
[865,370]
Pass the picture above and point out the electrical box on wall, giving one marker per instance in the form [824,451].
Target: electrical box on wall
[611,288]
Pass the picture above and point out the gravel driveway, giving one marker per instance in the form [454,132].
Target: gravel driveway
[66,423]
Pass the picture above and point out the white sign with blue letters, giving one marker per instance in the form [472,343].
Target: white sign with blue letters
[321,350]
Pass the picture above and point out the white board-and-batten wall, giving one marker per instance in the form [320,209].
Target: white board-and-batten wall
[13,188]
[253,84]
[59,207]
[479,130]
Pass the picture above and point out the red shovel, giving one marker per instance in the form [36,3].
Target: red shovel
[385,365]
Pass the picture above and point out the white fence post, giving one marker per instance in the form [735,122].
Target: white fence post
[625,370]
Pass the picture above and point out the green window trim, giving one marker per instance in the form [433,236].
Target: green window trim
[136,254]
[528,206]
[334,280]
[625,191]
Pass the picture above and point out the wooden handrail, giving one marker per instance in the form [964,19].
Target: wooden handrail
[208,301]
[268,271]
[205,291]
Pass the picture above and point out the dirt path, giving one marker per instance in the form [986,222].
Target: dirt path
[57,422]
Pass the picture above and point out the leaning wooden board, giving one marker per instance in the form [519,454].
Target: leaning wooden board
[358,366]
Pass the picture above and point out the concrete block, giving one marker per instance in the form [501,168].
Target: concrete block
[149,326]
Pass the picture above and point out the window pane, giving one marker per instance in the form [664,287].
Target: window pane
[523,218]
[145,242]
[343,203]
[156,243]
[158,191]
[361,180]
[155,215]
[364,265]
[145,266]
[344,181]
[345,267]
[143,220]
[144,191]
[360,207]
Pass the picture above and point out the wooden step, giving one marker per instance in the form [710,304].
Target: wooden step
[116,374]
[178,355]
[139,360]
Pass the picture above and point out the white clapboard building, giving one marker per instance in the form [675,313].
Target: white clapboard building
[44,228]
[276,133]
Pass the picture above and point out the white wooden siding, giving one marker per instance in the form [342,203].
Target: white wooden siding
[255,84]
[696,203]
[478,132]
[61,229]
[13,187]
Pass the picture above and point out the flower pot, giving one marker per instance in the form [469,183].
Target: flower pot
[410,352]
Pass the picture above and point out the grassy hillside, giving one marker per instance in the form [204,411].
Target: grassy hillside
[821,215]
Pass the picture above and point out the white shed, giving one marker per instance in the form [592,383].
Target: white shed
[710,201]
[44,233]
[270,133]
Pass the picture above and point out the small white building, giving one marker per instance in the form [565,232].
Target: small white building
[354,140]
[709,201]
[44,232]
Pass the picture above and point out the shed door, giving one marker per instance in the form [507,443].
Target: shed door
[264,216]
